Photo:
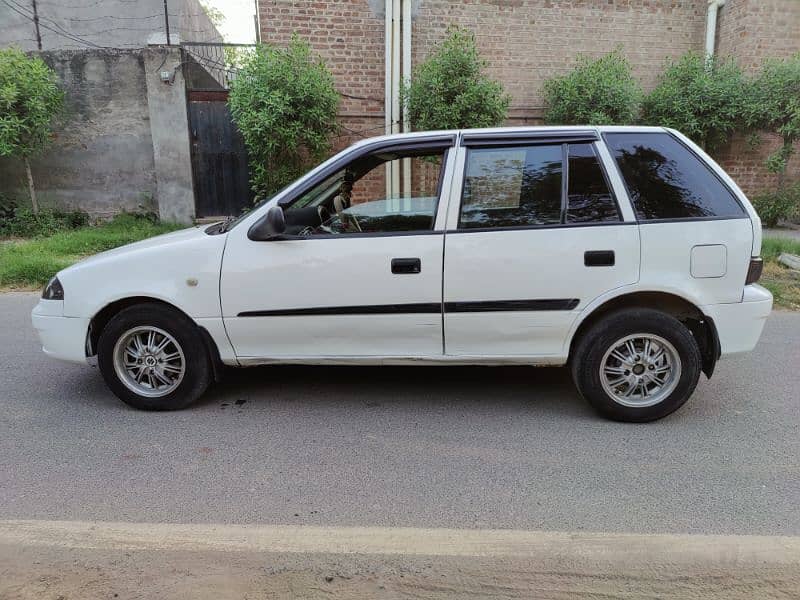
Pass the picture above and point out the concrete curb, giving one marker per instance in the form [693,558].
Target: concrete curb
[544,546]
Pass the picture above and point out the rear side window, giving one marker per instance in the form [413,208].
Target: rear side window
[589,198]
[665,180]
[537,185]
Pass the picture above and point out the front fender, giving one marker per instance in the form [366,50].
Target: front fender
[182,270]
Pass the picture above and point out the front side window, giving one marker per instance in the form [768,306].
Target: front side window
[356,199]
[665,180]
[537,185]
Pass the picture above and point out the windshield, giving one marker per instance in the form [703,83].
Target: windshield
[233,221]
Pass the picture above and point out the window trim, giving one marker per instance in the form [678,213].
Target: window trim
[443,142]
[527,138]
[564,182]
[508,142]
[547,226]
[690,150]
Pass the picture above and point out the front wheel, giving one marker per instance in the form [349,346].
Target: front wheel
[637,365]
[154,358]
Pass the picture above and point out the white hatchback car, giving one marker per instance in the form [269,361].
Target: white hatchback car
[624,252]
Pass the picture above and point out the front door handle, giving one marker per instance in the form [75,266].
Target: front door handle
[406,265]
[598,258]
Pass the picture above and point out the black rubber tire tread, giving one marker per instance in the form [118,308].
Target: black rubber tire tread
[198,365]
[589,351]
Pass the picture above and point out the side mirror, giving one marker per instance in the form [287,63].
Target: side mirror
[269,227]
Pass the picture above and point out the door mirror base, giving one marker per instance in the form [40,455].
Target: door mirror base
[270,227]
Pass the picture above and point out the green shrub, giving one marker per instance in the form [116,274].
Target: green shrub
[777,205]
[703,98]
[449,89]
[598,91]
[23,222]
[284,103]
[8,206]
[775,106]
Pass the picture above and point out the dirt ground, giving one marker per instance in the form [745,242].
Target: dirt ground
[53,573]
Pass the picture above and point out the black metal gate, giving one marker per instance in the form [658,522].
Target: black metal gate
[219,157]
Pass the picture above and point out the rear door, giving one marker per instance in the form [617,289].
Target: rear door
[534,234]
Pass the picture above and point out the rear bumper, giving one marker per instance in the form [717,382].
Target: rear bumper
[61,337]
[739,325]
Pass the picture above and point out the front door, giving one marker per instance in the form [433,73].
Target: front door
[360,274]
[538,235]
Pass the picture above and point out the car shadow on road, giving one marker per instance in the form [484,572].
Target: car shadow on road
[514,389]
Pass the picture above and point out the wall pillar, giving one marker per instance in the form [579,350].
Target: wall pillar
[169,128]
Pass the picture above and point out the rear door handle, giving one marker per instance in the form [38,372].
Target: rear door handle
[406,265]
[598,258]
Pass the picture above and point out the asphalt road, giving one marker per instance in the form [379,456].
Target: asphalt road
[408,446]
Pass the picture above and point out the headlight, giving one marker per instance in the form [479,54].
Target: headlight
[53,290]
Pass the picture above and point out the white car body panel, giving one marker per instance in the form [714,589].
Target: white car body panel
[215,278]
[158,268]
[667,258]
[532,264]
[319,273]
[179,268]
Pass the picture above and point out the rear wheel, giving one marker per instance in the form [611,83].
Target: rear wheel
[153,358]
[637,365]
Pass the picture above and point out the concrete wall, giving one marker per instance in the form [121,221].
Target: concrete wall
[124,141]
[527,41]
[102,157]
[169,129]
[110,23]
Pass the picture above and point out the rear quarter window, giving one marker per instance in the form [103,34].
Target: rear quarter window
[666,180]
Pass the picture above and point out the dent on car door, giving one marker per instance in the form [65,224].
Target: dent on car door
[362,280]
[537,235]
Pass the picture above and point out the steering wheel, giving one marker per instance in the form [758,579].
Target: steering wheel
[351,219]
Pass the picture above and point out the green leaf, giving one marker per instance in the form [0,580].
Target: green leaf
[596,92]
[449,89]
[30,102]
[285,104]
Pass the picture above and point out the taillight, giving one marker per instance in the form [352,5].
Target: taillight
[754,270]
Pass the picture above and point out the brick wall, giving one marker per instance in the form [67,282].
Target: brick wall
[527,41]
[750,31]
[348,35]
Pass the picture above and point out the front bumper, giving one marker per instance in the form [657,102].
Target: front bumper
[739,325]
[61,337]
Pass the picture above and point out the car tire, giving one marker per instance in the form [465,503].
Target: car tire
[636,365]
[167,371]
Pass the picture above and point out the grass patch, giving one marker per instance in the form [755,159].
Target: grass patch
[31,263]
[783,282]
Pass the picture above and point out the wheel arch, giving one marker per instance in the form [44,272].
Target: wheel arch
[699,324]
[102,317]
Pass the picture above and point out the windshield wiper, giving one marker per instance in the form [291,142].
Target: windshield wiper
[220,227]
[226,223]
